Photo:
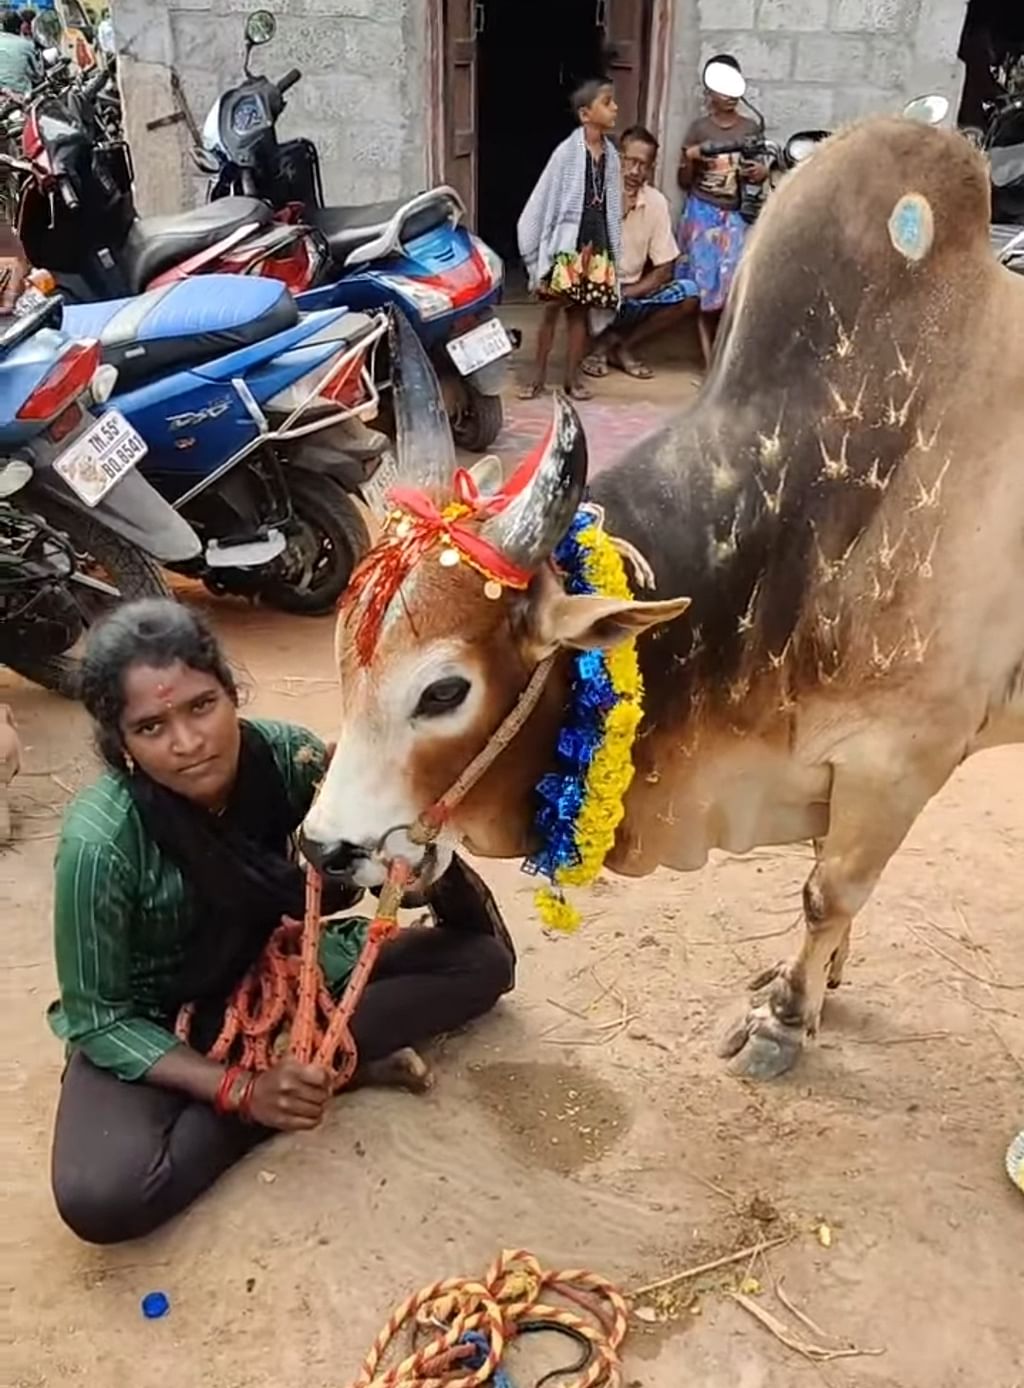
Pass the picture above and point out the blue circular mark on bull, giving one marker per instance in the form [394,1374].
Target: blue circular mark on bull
[911,226]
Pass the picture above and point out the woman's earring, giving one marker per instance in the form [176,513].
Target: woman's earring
[129,763]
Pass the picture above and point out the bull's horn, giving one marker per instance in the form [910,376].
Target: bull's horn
[544,492]
[425,449]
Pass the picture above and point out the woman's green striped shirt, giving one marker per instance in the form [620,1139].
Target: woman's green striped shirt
[122,913]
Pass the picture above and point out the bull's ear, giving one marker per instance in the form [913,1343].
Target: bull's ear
[584,623]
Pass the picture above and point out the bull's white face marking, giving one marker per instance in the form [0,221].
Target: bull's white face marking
[912,226]
[424,697]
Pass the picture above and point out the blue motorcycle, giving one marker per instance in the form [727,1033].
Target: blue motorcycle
[80,528]
[413,253]
[252,416]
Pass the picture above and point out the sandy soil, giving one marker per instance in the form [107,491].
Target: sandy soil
[611,1138]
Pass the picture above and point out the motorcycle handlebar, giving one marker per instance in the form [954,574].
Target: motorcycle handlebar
[68,193]
[288,80]
[750,147]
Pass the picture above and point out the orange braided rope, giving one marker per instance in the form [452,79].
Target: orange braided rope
[508,1296]
[282,1003]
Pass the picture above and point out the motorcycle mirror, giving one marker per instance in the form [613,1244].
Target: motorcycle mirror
[47,29]
[204,161]
[260,28]
[724,80]
[927,110]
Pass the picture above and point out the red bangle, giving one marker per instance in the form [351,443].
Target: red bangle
[245,1098]
[222,1099]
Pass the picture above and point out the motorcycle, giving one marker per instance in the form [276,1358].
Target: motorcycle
[77,220]
[82,529]
[252,415]
[1010,247]
[39,617]
[413,253]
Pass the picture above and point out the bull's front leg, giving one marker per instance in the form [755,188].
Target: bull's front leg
[869,816]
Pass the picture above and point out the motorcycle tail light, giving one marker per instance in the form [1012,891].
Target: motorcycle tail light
[68,378]
[65,423]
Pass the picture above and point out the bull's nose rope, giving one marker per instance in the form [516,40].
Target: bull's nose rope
[471,1324]
[284,994]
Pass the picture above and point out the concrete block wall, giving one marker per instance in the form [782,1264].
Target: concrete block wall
[814,63]
[361,98]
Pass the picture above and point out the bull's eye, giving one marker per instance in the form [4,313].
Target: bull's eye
[443,696]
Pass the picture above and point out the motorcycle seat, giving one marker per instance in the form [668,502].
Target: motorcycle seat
[184,324]
[346,228]
[155,244]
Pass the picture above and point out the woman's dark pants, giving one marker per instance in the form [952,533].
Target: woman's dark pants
[128,1156]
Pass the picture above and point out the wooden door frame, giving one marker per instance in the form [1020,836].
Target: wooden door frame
[435,92]
[657,78]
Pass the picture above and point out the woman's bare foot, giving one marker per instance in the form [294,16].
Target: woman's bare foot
[402,1069]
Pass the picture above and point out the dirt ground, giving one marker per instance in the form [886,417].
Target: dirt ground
[587,1119]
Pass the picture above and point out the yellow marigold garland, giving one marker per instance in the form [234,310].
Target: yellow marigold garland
[599,570]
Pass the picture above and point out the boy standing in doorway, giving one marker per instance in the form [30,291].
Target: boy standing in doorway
[653,299]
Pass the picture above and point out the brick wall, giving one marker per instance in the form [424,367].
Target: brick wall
[361,98]
[815,63]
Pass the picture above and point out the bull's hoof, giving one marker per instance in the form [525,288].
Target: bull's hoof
[760,1047]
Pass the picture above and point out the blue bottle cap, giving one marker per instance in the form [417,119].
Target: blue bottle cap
[155,1305]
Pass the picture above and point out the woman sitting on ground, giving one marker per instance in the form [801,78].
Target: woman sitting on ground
[172,871]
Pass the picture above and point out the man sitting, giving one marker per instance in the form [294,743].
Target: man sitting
[653,298]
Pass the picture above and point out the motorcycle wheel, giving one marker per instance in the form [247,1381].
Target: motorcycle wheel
[111,560]
[330,539]
[478,423]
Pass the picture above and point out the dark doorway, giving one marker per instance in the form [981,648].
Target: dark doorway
[530,55]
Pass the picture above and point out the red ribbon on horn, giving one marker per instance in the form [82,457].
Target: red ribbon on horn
[415,527]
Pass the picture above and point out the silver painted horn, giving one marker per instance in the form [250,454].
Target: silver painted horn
[538,515]
[425,448]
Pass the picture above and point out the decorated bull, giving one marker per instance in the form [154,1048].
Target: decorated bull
[835,541]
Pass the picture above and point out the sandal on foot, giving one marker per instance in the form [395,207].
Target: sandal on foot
[576,390]
[595,365]
[632,366]
[530,391]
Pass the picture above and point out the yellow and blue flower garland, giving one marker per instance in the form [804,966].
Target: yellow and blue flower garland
[581,803]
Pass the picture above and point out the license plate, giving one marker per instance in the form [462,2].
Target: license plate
[98,460]
[376,489]
[479,347]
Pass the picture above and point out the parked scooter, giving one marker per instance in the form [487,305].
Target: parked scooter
[413,253]
[252,418]
[77,220]
[95,532]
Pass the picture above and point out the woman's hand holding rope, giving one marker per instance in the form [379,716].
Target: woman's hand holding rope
[290,1097]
